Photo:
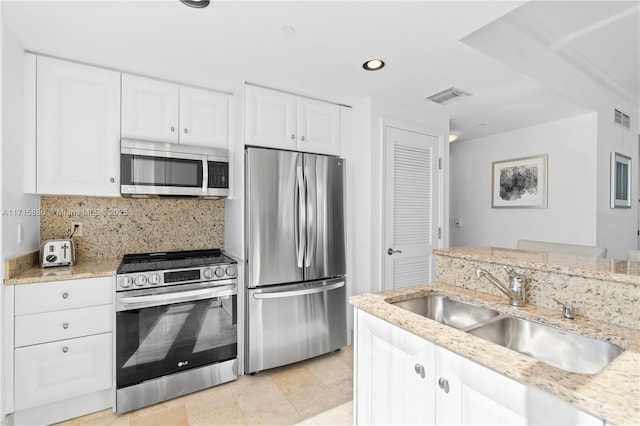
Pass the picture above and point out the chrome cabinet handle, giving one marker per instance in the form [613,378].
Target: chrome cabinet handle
[65,325]
[65,349]
[293,136]
[65,295]
[186,130]
[173,129]
[302,139]
[112,180]
[444,384]
[392,251]
[419,369]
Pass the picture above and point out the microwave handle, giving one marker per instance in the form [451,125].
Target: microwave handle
[205,175]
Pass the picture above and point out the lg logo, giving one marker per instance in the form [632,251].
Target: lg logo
[183,363]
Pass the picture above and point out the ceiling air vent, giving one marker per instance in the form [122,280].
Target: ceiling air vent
[622,119]
[447,96]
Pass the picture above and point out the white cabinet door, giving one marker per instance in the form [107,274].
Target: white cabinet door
[78,122]
[56,371]
[270,118]
[470,394]
[149,109]
[394,374]
[203,118]
[318,126]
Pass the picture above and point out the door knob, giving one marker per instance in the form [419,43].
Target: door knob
[444,384]
[391,251]
[419,369]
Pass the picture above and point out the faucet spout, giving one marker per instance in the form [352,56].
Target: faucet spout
[515,291]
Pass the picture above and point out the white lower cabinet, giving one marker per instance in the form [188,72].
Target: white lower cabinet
[61,370]
[454,391]
[63,349]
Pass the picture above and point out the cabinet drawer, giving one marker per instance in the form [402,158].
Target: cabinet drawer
[56,371]
[54,296]
[67,324]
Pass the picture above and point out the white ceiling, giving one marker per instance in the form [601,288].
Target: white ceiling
[233,41]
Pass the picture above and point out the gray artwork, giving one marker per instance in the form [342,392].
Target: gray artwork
[517,181]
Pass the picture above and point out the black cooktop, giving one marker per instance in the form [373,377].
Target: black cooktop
[139,262]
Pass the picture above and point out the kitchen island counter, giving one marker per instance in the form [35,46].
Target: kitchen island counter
[612,394]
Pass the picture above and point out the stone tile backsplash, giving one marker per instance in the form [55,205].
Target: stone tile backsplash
[115,226]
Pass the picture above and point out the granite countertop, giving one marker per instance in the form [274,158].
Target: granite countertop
[613,394]
[84,268]
[621,271]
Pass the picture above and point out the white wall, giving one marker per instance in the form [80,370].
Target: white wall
[616,228]
[13,196]
[571,213]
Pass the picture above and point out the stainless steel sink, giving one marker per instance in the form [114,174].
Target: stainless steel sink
[450,312]
[567,351]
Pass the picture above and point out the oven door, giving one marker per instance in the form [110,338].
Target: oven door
[167,330]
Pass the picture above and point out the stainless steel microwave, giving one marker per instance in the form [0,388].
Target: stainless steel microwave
[155,169]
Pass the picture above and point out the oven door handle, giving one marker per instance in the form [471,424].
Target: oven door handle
[292,293]
[138,302]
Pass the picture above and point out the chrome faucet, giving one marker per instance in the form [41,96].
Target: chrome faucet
[515,290]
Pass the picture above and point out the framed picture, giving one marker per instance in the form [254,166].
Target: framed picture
[521,182]
[620,181]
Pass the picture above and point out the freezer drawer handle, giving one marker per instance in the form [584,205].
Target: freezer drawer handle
[294,293]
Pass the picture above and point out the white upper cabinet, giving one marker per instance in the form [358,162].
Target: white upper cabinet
[285,121]
[165,112]
[203,117]
[77,140]
[149,109]
[318,126]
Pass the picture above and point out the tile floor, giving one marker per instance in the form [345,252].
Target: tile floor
[318,391]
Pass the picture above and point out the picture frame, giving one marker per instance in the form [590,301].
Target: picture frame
[520,182]
[620,181]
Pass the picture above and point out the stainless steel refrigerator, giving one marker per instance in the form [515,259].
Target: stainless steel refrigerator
[295,252]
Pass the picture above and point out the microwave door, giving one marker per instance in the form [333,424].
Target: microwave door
[157,175]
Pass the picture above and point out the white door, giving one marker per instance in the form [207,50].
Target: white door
[203,118]
[149,109]
[318,127]
[78,129]
[412,206]
[270,118]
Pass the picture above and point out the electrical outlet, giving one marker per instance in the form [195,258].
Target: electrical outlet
[77,227]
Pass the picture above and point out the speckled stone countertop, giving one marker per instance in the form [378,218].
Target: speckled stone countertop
[613,394]
[588,267]
[84,268]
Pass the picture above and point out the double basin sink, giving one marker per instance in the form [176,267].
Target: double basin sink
[567,351]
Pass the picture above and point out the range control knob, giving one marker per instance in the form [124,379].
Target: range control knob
[219,272]
[231,270]
[154,279]
[140,280]
[125,282]
[208,273]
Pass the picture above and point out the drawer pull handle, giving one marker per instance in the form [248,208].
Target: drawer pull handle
[65,349]
[65,325]
[65,295]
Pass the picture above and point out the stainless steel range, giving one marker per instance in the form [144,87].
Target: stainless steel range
[176,333]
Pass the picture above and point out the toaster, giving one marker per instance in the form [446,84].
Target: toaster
[57,252]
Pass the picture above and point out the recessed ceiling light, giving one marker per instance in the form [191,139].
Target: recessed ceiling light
[373,64]
[196,3]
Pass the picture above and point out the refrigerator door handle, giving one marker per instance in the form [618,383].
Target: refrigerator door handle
[311,224]
[301,225]
[281,294]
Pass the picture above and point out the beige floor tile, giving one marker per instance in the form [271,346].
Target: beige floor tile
[318,390]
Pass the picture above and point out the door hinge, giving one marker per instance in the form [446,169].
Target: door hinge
[439,232]
[440,163]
